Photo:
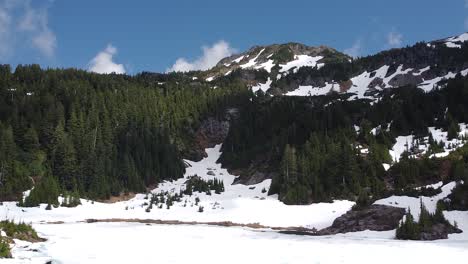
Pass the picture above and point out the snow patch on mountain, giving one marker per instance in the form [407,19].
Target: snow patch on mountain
[268,65]
[429,85]
[262,86]
[455,42]
[252,62]
[238,59]
[421,71]
[414,203]
[301,61]
[313,91]
[421,145]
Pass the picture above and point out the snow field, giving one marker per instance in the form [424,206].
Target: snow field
[73,242]
[239,204]
[138,243]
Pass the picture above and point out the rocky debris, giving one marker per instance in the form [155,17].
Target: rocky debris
[211,173]
[375,218]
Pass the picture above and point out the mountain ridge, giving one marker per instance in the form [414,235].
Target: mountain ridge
[296,69]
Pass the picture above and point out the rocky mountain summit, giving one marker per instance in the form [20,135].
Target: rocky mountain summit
[294,69]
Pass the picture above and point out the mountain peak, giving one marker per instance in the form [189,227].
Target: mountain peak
[281,58]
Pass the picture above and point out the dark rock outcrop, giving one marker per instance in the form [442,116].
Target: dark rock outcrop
[439,231]
[375,218]
[210,133]
[255,178]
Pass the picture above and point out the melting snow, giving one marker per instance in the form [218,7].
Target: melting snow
[451,42]
[405,143]
[414,203]
[252,62]
[238,59]
[300,61]
[313,91]
[262,86]
[421,71]
[429,85]
[268,65]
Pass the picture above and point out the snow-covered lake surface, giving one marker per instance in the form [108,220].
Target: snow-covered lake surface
[74,242]
[139,243]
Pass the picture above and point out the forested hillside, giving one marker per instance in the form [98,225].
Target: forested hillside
[311,149]
[97,135]
[77,133]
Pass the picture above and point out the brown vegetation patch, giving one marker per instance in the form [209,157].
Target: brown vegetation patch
[121,198]
[177,222]
[345,86]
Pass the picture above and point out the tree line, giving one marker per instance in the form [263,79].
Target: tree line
[71,131]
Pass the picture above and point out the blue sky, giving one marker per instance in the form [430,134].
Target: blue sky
[134,36]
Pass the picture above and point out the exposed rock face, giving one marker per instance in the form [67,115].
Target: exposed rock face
[375,218]
[405,79]
[419,64]
[210,133]
[265,53]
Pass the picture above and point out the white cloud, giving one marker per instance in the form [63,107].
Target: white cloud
[211,56]
[21,22]
[103,62]
[355,50]
[46,42]
[394,39]
[36,22]
[5,22]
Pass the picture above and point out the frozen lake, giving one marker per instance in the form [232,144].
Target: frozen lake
[140,243]
[78,242]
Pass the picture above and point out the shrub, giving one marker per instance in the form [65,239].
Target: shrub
[20,231]
[4,248]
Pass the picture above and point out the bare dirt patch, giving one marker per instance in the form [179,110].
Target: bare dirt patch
[121,198]
[177,222]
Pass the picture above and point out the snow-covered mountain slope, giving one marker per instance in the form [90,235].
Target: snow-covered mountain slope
[455,42]
[238,203]
[278,59]
[366,84]
[419,146]
[298,70]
